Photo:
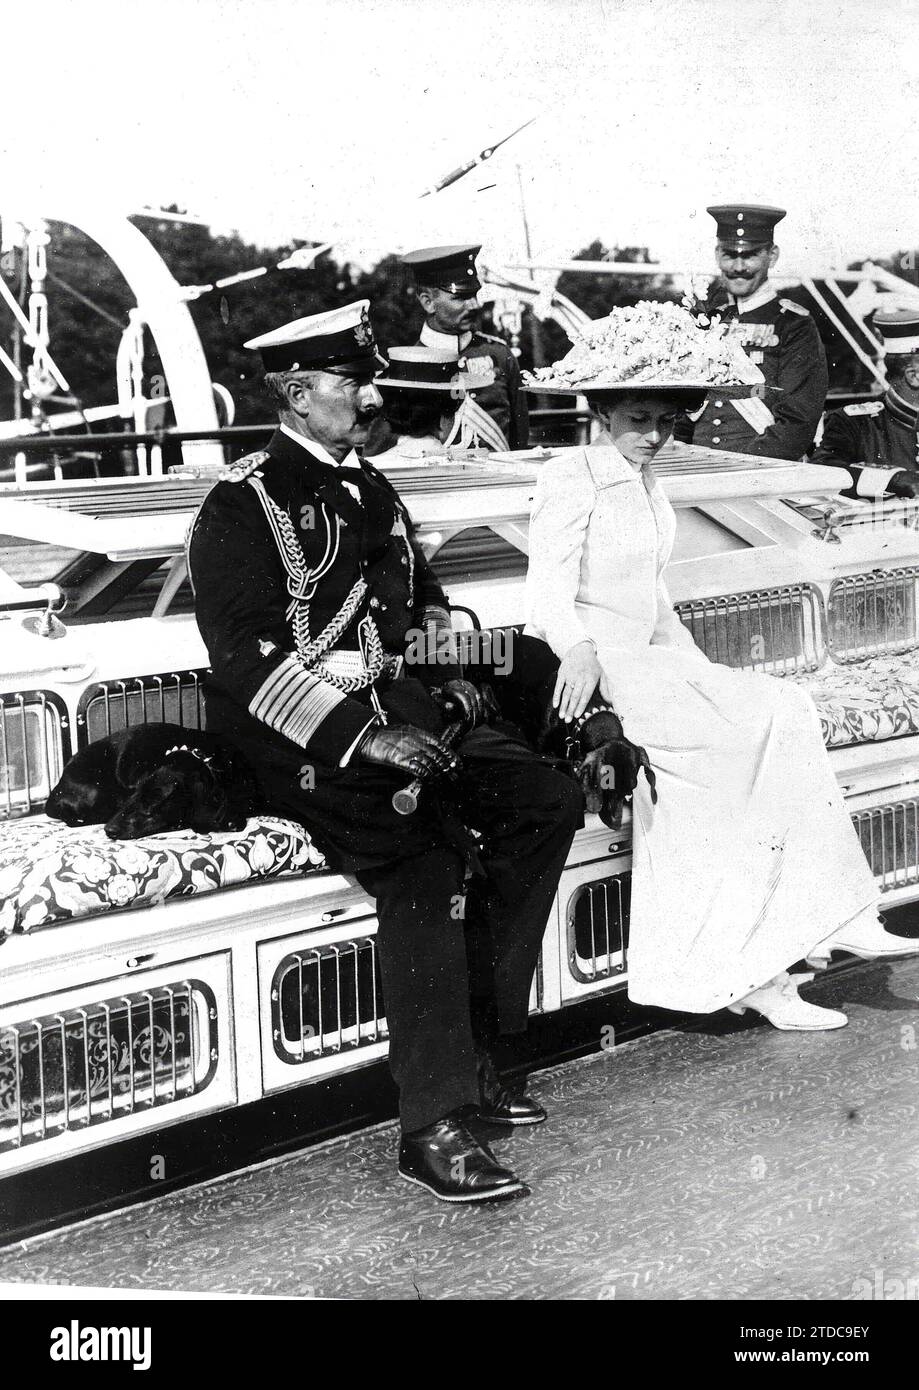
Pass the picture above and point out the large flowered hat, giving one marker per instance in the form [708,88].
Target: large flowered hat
[652,347]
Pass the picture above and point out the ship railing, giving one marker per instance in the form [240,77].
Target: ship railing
[48,456]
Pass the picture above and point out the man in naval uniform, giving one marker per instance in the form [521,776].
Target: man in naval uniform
[777,334]
[447,285]
[308,585]
[877,440]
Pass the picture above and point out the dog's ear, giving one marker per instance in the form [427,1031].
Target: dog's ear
[79,803]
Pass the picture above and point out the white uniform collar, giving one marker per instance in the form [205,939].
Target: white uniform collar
[447,342]
[316,449]
[764,295]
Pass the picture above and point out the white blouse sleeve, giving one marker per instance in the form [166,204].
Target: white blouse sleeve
[561,513]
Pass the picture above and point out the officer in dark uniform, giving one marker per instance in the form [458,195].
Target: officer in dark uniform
[310,595]
[777,334]
[877,440]
[447,286]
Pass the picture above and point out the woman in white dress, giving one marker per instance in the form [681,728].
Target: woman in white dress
[748,861]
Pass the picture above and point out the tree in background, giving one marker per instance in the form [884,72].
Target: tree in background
[905,264]
[88,303]
[597,294]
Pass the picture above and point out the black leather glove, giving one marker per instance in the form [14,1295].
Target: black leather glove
[463,700]
[904,484]
[408,749]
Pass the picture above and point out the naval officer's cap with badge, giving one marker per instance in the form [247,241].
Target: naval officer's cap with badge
[339,341]
[450,268]
[745,226]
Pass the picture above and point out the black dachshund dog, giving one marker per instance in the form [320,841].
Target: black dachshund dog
[601,758]
[594,749]
[153,778]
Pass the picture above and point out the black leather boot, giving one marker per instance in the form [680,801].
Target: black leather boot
[499,1106]
[450,1162]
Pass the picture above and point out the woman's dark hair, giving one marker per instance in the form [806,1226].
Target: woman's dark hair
[679,397]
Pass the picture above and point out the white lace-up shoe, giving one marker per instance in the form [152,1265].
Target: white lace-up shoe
[779,1002]
[866,939]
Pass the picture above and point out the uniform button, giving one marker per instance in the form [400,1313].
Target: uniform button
[718,404]
[374,603]
[404,560]
[717,422]
[408,603]
[716,438]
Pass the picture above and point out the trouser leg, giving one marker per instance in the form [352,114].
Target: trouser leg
[528,813]
[422,953]
[523,680]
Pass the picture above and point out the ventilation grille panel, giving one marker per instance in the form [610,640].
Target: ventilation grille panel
[104,1060]
[778,631]
[326,1000]
[598,928]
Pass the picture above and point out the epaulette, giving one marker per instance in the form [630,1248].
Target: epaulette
[239,471]
[794,308]
[863,408]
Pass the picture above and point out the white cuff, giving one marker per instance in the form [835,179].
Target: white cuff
[872,482]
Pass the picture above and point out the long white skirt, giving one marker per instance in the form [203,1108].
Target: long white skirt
[749,859]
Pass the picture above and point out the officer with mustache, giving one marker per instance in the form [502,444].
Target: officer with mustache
[447,286]
[777,334]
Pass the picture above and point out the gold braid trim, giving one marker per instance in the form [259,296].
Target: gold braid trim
[301,585]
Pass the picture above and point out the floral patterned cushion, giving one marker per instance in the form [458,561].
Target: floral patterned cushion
[51,873]
[868,701]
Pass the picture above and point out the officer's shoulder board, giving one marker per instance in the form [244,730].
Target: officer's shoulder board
[794,308]
[239,471]
[490,338]
[863,408]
